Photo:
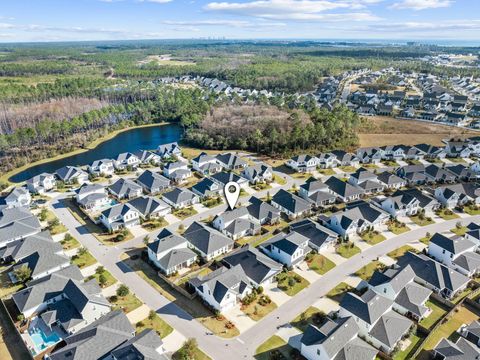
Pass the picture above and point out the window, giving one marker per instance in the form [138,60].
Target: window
[318,351]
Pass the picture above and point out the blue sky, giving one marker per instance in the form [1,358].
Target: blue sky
[60,20]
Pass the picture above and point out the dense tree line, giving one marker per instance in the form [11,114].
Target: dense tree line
[325,130]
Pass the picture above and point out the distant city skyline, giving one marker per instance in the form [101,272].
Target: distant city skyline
[390,20]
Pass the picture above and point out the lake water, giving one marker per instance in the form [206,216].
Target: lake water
[146,138]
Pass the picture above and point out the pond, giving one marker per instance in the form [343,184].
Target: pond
[146,138]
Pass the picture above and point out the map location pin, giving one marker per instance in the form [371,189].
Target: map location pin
[232,193]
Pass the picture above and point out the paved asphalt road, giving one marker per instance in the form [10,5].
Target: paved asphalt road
[243,346]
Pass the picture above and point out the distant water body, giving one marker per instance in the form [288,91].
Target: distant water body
[145,138]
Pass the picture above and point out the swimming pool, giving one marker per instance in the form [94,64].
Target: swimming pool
[42,341]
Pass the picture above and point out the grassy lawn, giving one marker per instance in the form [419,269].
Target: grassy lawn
[193,307]
[319,263]
[447,214]
[397,230]
[154,224]
[157,324]
[185,212]
[339,291]
[54,225]
[291,283]
[461,295]
[390,163]
[271,348]
[310,316]
[97,231]
[126,303]
[471,210]
[348,169]
[198,355]
[459,230]
[425,240]
[279,180]
[327,172]
[453,323]
[256,311]
[438,311]
[212,202]
[414,339]
[69,243]
[373,237]
[422,222]
[370,166]
[6,286]
[84,259]
[398,253]
[366,272]
[110,280]
[113,239]
[301,175]
[347,250]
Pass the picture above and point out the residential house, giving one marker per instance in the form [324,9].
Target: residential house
[120,216]
[206,164]
[343,190]
[71,175]
[398,285]
[426,202]
[413,174]
[400,204]
[377,322]
[152,182]
[458,253]
[231,161]
[15,198]
[236,223]
[177,171]
[258,268]
[150,208]
[371,155]
[223,288]
[327,161]
[357,218]
[17,224]
[462,172]
[319,237]
[125,161]
[223,178]
[335,339]
[303,163]
[125,189]
[170,252]
[391,181]
[262,212]
[458,194]
[290,204]
[170,150]
[431,151]
[103,167]
[437,174]
[258,173]
[434,275]
[42,183]
[92,197]
[366,180]
[98,340]
[180,198]
[316,192]
[288,249]
[148,157]
[462,349]
[209,242]
[145,345]
[346,159]
[206,188]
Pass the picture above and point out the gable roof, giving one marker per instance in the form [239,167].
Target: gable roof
[291,202]
[369,307]
[206,239]
[342,188]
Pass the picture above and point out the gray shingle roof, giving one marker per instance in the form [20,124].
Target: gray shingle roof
[147,205]
[454,245]
[206,239]
[144,346]
[291,202]
[461,350]
[179,195]
[390,328]
[342,188]
[98,339]
[256,266]
[124,188]
[369,307]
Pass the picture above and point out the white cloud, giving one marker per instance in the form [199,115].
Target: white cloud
[229,23]
[434,27]
[300,10]
[422,4]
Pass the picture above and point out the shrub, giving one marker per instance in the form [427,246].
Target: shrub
[260,290]
[291,282]
[102,280]
[119,237]
[123,290]
[297,278]
[151,315]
